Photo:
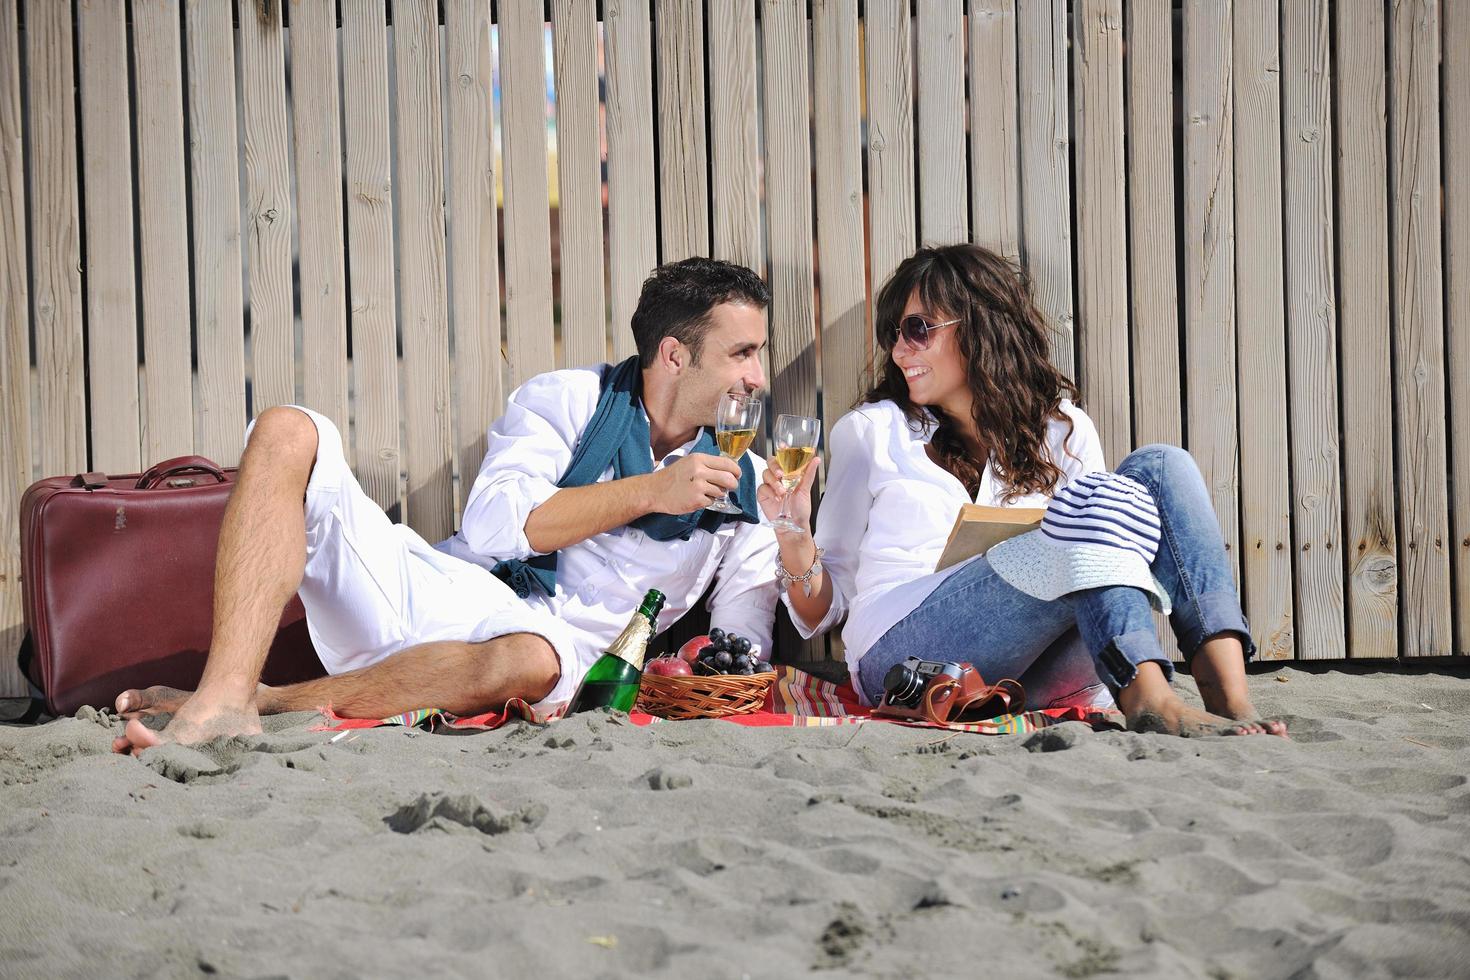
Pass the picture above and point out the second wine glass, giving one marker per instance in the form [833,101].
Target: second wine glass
[736,419]
[796,446]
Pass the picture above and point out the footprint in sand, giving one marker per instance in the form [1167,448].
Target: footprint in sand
[665,779]
[1057,738]
[440,811]
[189,763]
[842,939]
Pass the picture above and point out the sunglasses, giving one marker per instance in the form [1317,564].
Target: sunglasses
[915,331]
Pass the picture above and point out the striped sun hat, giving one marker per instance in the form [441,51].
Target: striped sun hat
[1100,529]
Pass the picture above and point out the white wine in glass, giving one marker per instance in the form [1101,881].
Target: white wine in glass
[796,446]
[736,419]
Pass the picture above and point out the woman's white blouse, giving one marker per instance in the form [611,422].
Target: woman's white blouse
[888,508]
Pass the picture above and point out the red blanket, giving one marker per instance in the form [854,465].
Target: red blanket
[797,700]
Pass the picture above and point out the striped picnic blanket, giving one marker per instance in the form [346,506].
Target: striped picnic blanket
[797,700]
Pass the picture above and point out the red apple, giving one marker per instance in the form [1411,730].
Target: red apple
[668,667]
[689,652]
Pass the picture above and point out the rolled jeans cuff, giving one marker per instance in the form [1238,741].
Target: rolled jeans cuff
[1207,615]
[1118,662]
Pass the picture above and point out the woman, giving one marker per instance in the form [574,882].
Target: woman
[967,407]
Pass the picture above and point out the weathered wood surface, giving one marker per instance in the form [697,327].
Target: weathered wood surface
[1418,318]
[1209,259]
[1254,258]
[1364,321]
[373,301]
[1265,476]
[107,183]
[316,133]
[422,297]
[163,231]
[15,350]
[579,183]
[474,261]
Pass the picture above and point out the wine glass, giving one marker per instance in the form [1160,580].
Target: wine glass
[796,445]
[736,419]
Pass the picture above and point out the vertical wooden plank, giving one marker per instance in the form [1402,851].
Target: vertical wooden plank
[1209,258]
[107,183]
[1456,68]
[579,182]
[942,188]
[1158,413]
[793,376]
[789,206]
[268,204]
[632,246]
[163,231]
[1265,486]
[422,300]
[215,204]
[1363,317]
[56,288]
[528,299]
[734,164]
[1312,326]
[1102,223]
[995,175]
[890,76]
[373,293]
[15,352]
[683,170]
[1046,196]
[845,338]
[1414,219]
[474,267]
[316,117]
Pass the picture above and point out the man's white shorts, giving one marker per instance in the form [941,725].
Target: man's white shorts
[372,587]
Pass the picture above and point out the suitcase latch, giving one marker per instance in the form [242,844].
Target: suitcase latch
[180,481]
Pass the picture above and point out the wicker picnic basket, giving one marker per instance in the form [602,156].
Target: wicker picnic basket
[713,696]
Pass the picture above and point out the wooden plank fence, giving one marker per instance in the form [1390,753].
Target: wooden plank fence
[1247,221]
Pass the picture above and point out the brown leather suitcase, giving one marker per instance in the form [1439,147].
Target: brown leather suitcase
[118,584]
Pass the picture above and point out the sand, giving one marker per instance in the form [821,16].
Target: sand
[595,848]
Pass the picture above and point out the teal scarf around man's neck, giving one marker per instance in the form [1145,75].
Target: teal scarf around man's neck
[618,436]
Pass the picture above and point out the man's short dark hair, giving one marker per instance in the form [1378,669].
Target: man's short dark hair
[677,299]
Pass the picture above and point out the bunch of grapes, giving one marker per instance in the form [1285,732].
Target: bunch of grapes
[727,653]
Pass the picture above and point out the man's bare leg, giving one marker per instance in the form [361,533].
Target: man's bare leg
[1150,704]
[1218,668]
[262,556]
[461,678]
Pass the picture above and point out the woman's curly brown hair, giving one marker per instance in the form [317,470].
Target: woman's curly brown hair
[1004,339]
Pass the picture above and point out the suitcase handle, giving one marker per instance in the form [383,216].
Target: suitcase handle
[173,467]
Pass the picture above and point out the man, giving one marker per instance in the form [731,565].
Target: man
[400,624]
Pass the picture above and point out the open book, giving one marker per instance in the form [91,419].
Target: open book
[978,528]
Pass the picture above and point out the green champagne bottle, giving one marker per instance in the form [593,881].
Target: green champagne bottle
[613,681]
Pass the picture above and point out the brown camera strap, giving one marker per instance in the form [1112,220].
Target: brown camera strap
[1006,696]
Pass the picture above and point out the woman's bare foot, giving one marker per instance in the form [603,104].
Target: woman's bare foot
[1151,705]
[1218,668]
[197,719]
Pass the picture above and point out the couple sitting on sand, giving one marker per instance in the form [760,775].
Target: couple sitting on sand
[608,471]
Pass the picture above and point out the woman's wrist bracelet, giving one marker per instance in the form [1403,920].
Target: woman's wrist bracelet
[787,579]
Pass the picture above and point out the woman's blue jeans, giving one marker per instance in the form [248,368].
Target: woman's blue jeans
[1061,650]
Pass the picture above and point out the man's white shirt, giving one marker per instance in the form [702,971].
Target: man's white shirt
[601,580]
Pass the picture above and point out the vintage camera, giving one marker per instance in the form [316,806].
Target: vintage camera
[940,692]
[903,685]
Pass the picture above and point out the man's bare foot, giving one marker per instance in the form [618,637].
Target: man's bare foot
[1218,669]
[150,701]
[196,720]
[1151,705]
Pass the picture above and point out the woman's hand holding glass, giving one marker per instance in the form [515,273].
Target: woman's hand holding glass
[788,489]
